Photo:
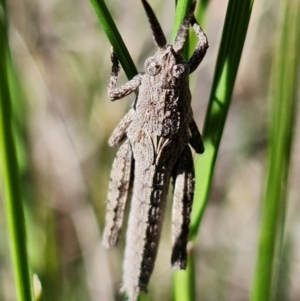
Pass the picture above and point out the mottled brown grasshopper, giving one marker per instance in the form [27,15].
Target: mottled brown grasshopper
[154,135]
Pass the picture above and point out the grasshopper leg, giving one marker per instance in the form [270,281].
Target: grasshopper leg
[119,187]
[182,206]
[114,92]
[119,133]
[196,138]
[201,47]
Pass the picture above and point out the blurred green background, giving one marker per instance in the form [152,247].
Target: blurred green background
[63,121]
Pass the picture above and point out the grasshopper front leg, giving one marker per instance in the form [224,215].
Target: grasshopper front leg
[120,132]
[115,93]
[119,187]
[201,48]
[182,206]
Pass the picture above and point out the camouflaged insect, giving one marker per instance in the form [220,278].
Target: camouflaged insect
[154,136]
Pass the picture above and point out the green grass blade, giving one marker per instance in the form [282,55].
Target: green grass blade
[10,172]
[114,37]
[184,281]
[201,11]
[283,101]
[233,37]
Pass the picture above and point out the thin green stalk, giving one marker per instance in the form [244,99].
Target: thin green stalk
[283,108]
[10,172]
[201,11]
[114,37]
[233,38]
[184,281]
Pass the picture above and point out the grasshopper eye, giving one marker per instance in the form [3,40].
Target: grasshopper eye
[178,70]
[152,66]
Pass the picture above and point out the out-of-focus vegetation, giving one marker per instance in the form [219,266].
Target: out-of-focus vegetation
[10,170]
[63,119]
[272,273]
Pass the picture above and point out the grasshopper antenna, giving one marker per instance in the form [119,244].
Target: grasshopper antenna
[158,35]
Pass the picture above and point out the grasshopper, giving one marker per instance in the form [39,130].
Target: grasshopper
[154,138]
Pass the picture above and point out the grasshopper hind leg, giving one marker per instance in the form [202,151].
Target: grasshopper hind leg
[119,187]
[182,206]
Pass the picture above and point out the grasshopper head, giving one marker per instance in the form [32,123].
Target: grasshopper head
[167,67]
[167,63]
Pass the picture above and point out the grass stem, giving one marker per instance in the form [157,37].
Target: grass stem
[10,171]
[283,108]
